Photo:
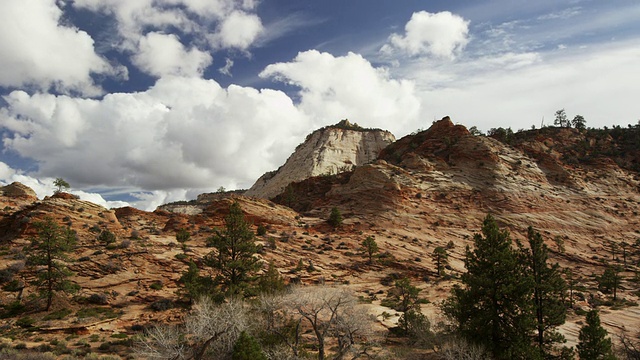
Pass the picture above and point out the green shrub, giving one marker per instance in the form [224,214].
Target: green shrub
[156,285]
[183,236]
[107,237]
[99,299]
[57,315]
[25,322]
[43,348]
[12,309]
[161,305]
[98,312]
[335,218]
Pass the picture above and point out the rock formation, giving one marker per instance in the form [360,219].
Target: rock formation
[327,151]
[580,189]
[16,196]
[17,190]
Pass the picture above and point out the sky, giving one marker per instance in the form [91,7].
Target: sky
[144,102]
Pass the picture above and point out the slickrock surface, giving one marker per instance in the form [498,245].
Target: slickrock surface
[330,150]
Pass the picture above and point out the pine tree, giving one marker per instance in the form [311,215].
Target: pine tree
[182,236]
[403,296]
[561,119]
[370,247]
[579,122]
[572,281]
[49,249]
[195,286]
[271,282]
[493,307]
[247,348]
[234,255]
[593,341]
[441,258]
[549,290]
[335,218]
[610,280]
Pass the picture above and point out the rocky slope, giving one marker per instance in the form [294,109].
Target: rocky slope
[15,196]
[578,188]
[326,151]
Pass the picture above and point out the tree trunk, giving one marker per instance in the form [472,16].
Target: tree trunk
[49,280]
[203,349]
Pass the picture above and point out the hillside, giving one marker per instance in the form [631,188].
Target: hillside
[430,189]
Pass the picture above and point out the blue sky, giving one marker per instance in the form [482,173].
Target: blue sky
[149,101]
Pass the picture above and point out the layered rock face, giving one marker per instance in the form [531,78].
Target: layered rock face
[330,150]
[17,190]
[16,196]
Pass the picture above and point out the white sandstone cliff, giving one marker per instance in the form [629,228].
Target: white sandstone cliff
[329,150]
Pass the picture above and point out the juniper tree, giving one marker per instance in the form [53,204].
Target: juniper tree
[493,306]
[234,255]
[107,237]
[182,236]
[549,289]
[61,185]
[441,258]
[49,249]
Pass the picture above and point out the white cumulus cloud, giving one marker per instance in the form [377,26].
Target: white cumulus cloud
[145,31]
[133,18]
[181,133]
[441,35]
[38,51]
[349,87]
[163,54]
[223,23]
[237,30]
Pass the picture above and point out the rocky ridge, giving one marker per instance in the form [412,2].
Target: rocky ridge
[425,190]
[327,151]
